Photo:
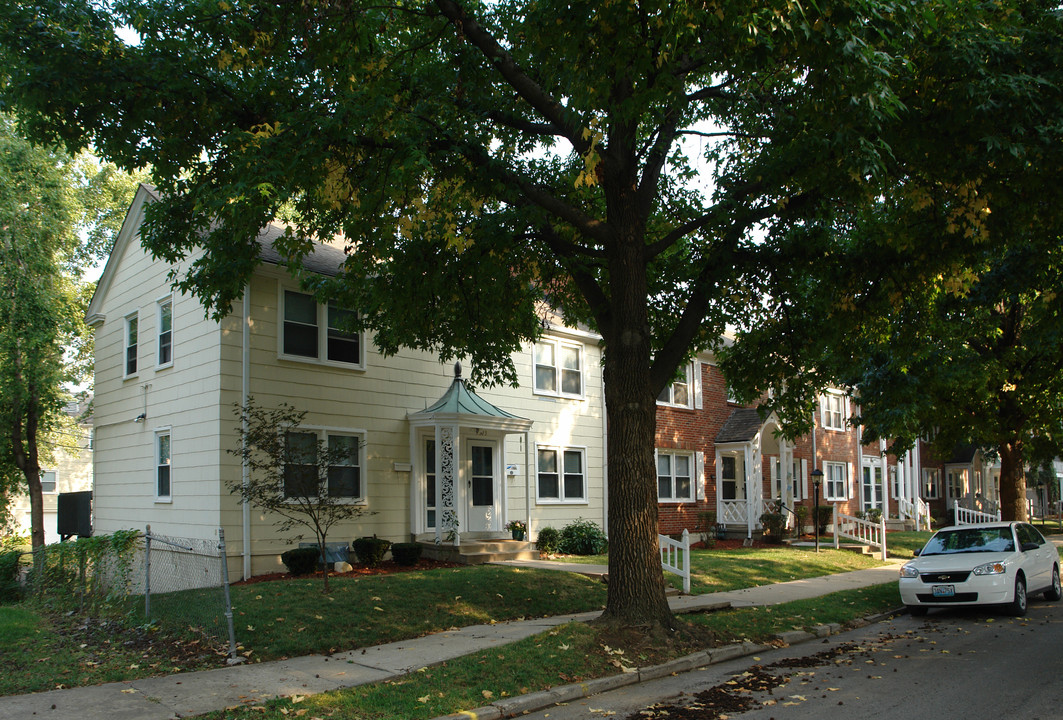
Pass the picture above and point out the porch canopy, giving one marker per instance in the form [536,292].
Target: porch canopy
[462,422]
[742,444]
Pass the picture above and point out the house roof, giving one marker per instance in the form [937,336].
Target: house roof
[324,259]
[962,454]
[459,403]
[742,425]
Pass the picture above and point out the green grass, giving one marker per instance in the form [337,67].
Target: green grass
[570,653]
[904,544]
[721,570]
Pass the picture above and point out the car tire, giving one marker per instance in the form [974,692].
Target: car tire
[1055,592]
[1017,606]
[917,610]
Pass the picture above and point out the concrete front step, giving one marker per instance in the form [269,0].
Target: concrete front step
[477,552]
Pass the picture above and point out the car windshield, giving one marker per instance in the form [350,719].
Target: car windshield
[967,540]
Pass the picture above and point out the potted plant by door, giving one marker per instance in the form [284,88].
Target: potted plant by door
[517,529]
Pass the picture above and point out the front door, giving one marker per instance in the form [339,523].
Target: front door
[872,482]
[481,486]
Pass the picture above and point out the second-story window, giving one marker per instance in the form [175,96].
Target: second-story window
[131,334]
[679,393]
[833,415]
[558,368]
[318,332]
[165,318]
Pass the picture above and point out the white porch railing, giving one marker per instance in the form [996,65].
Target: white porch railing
[862,531]
[675,557]
[967,516]
[918,511]
[732,512]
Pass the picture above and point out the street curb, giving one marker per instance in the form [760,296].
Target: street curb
[532,702]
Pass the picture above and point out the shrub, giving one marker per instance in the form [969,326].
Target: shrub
[301,561]
[774,526]
[874,515]
[548,540]
[10,562]
[582,537]
[371,550]
[800,518]
[824,516]
[407,553]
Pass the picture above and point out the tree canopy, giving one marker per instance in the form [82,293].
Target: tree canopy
[45,347]
[631,165]
[942,309]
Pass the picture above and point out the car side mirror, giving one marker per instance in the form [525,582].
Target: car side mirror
[917,552]
[1029,546]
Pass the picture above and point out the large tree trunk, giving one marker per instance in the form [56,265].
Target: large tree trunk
[1012,481]
[636,584]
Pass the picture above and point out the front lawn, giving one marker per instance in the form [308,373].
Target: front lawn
[721,570]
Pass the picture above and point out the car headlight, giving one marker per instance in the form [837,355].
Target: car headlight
[909,571]
[993,568]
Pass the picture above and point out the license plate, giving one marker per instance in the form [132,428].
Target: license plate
[944,590]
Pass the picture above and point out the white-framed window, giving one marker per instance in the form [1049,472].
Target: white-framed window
[561,475]
[130,337]
[957,480]
[833,411]
[675,476]
[731,397]
[430,483]
[931,483]
[728,477]
[163,466]
[558,368]
[164,323]
[681,392]
[344,477]
[48,481]
[835,481]
[315,332]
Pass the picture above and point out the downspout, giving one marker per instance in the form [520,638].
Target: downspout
[527,483]
[245,380]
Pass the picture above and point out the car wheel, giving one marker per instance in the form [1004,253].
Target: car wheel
[1017,606]
[1055,592]
[917,610]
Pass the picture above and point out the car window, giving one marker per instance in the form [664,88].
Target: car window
[1029,534]
[965,540]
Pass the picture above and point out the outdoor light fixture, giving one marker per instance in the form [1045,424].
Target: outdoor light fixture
[817,482]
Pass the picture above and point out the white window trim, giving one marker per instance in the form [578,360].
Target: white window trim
[135,315]
[693,477]
[323,431]
[929,474]
[689,375]
[322,335]
[159,432]
[561,499]
[44,472]
[558,344]
[166,300]
[825,413]
[827,483]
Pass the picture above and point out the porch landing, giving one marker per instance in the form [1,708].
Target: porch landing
[479,551]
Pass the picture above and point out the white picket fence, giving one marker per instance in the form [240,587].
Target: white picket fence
[675,557]
[861,531]
[967,516]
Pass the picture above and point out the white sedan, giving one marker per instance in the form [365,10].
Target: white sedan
[999,563]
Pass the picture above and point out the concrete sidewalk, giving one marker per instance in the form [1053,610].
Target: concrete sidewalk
[194,693]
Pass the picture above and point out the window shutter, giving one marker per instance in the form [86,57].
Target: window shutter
[696,381]
[699,472]
[852,492]
[804,478]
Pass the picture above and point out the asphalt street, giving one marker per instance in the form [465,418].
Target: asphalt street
[952,664]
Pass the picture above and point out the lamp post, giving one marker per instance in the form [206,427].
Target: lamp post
[817,482]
